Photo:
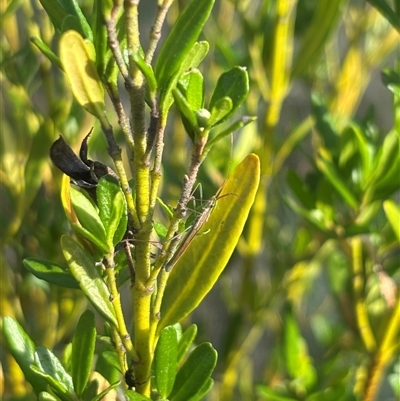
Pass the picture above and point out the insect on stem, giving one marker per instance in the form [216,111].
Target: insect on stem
[194,229]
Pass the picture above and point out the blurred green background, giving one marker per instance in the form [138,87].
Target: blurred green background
[308,307]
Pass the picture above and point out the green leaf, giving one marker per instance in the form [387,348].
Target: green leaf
[181,39]
[147,71]
[78,60]
[392,212]
[327,167]
[50,365]
[112,209]
[83,345]
[391,79]
[82,232]
[219,111]
[134,396]
[186,341]
[233,84]
[22,349]
[188,115]
[87,215]
[300,189]
[203,261]
[46,51]
[194,373]
[108,365]
[192,60]
[83,268]
[314,216]
[325,125]
[55,12]
[228,131]
[165,361]
[383,7]
[316,35]
[196,55]
[51,272]
[297,361]
[45,396]
[160,229]
[57,388]
[73,10]
[191,84]
[271,395]
[203,391]
[101,395]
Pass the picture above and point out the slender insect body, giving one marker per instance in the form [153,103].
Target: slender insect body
[198,223]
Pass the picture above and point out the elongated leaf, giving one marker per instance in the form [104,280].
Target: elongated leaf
[46,51]
[393,215]
[57,388]
[113,209]
[203,391]
[205,258]
[188,115]
[73,10]
[83,234]
[55,11]
[22,349]
[233,84]
[220,110]
[191,84]
[194,373]
[83,346]
[83,268]
[318,31]
[101,395]
[78,60]
[165,361]
[148,73]
[298,363]
[192,60]
[134,396]
[325,125]
[45,396]
[88,215]
[48,363]
[383,7]
[186,341]
[181,39]
[107,364]
[51,272]
[326,166]
[271,395]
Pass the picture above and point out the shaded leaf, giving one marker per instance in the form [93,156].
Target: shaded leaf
[83,345]
[51,272]
[194,373]
[186,341]
[83,268]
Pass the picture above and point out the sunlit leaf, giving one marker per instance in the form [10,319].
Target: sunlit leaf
[205,258]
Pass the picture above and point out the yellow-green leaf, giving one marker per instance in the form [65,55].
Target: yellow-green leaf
[393,214]
[78,59]
[198,269]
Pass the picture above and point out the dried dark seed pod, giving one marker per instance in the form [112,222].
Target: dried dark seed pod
[83,172]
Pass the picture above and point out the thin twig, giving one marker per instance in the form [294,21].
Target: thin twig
[155,33]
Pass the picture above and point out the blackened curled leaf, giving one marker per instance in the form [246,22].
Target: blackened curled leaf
[84,172]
